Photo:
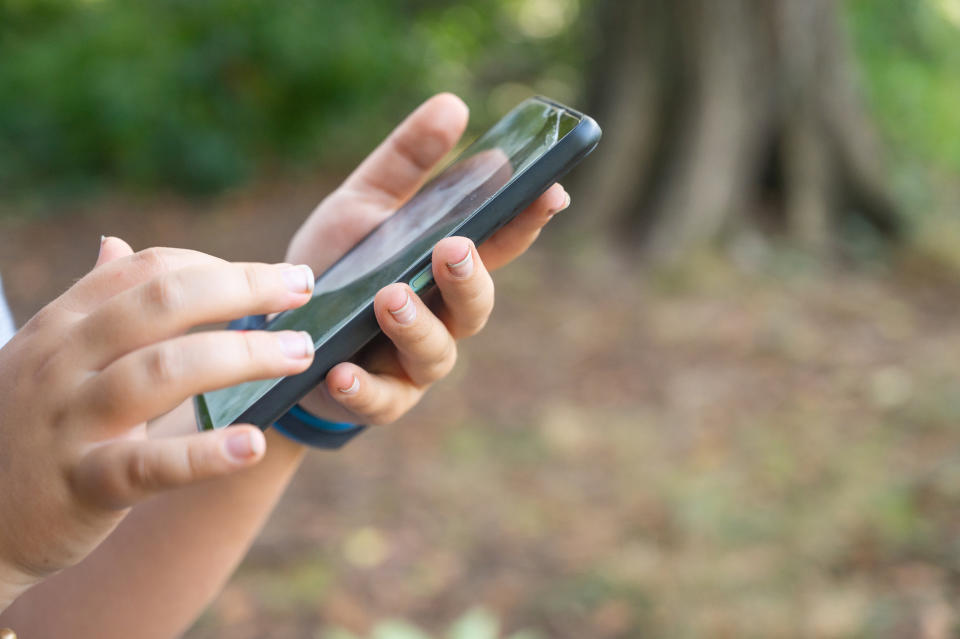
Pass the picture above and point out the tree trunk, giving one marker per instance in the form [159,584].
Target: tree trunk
[725,114]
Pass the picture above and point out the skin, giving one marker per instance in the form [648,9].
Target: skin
[78,461]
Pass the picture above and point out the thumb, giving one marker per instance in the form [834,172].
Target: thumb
[112,248]
[119,474]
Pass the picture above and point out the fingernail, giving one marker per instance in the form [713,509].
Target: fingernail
[463,268]
[296,344]
[245,444]
[353,388]
[406,313]
[103,238]
[299,279]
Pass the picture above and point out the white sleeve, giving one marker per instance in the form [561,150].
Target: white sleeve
[7,328]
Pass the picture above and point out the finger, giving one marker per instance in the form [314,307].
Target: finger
[112,248]
[517,235]
[118,275]
[465,285]
[119,474]
[365,398]
[387,178]
[150,381]
[170,304]
[425,348]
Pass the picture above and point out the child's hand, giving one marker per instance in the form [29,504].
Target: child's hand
[84,375]
[424,343]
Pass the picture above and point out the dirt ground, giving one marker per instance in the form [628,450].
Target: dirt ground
[752,447]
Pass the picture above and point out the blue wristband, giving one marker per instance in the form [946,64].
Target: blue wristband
[297,424]
[300,426]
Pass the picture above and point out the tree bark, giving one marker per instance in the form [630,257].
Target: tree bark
[719,115]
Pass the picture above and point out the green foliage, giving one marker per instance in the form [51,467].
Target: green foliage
[196,96]
[911,59]
[474,624]
[189,94]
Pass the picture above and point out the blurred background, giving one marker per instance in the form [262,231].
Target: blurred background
[720,397]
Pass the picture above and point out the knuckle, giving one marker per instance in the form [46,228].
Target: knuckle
[364,403]
[422,152]
[389,413]
[471,294]
[260,354]
[49,368]
[475,310]
[251,279]
[109,398]
[252,348]
[164,364]
[385,416]
[369,405]
[61,417]
[137,476]
[441,366]
[194,463]
[45,317]
[164,294]
[100,480]
[417,336]
[152,260]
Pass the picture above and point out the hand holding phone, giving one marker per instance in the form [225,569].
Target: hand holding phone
[497,177]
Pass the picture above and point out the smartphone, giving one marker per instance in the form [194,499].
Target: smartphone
[486,186]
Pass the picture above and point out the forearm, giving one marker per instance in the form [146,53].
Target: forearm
[154,575]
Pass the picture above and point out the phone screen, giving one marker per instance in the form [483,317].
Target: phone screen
[408,236]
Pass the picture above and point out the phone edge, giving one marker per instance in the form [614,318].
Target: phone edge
[363,327]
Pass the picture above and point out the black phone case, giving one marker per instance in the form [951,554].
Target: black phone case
[484,222]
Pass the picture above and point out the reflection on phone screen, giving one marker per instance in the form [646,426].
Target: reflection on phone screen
[407,236]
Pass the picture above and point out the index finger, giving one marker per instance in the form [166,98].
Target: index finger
[109,279]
